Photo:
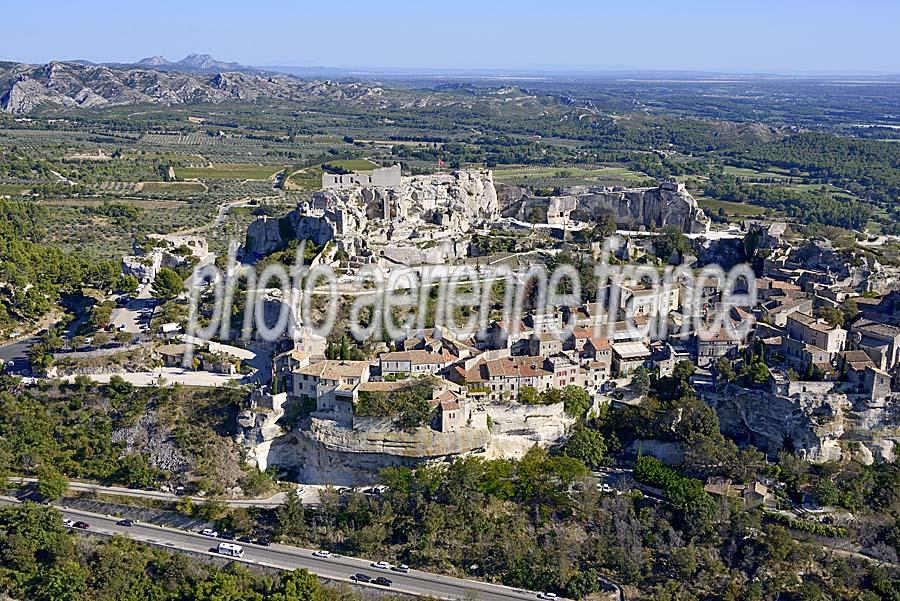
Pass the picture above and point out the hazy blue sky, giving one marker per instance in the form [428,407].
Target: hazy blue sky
[724,35]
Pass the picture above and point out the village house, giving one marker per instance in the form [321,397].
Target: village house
[853,366]
[628,356]
[805,327]
[331,383]
[713,345]
[564,370]
[881,341]
[545,344]
[500,380]
[507,334]
[172,355]
[411,363]
[778,310]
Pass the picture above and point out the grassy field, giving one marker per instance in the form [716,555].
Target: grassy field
[569,175]
[229,171]
[354,165]
[309,179]
[96,202]
[732,209]
[163,187]
[754,174]
[12,189]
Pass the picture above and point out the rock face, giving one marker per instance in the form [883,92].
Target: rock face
[818,424]
[24,88]
[321,451]
[428,210]
[669,204]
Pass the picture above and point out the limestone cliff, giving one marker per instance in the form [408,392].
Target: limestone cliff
[816,424]
[321,451]
[669,204]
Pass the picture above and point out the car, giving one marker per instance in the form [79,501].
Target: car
[244,539]
[126,522]
[68,523]
[82,525]
[401,568]
[382,565]
[226,536]
[321,553]
[263,542]
[551,596]
[209,532]
[382,581]
[361,578]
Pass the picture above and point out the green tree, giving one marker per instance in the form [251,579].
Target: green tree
[134,470]
[118,386]
[51,483]
[528,395]
[640,383]
[757,374]
[576,399]
[834,317]
[65,581]
[725,369]
[291,517]
[850,309]
[299,585]
[167,284]
[126,284]
[587,445]
[671,241]
[604,226]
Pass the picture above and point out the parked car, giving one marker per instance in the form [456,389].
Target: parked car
[361,578]
[550,596]
[226,536]
[321,553]
[82,525]
[68,523]
[401,568]
[126,522]
[209,532]
[382,581]
[382,565]
[263,542]
[244,539]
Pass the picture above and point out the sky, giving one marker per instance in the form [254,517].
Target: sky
[731,36]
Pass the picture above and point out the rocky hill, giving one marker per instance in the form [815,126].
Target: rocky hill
[669,204]
[24,88]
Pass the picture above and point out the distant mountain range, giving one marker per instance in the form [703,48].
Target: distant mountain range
[192,63]
[196,78]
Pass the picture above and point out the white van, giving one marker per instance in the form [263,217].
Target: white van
[231,549]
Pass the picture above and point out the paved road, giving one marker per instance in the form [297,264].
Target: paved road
[309,494]
[17,352]
[290,558]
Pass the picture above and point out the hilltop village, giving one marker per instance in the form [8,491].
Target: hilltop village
[808,366]
[815,373]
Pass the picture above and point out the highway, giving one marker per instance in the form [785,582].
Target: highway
[309,495]
[339,568]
